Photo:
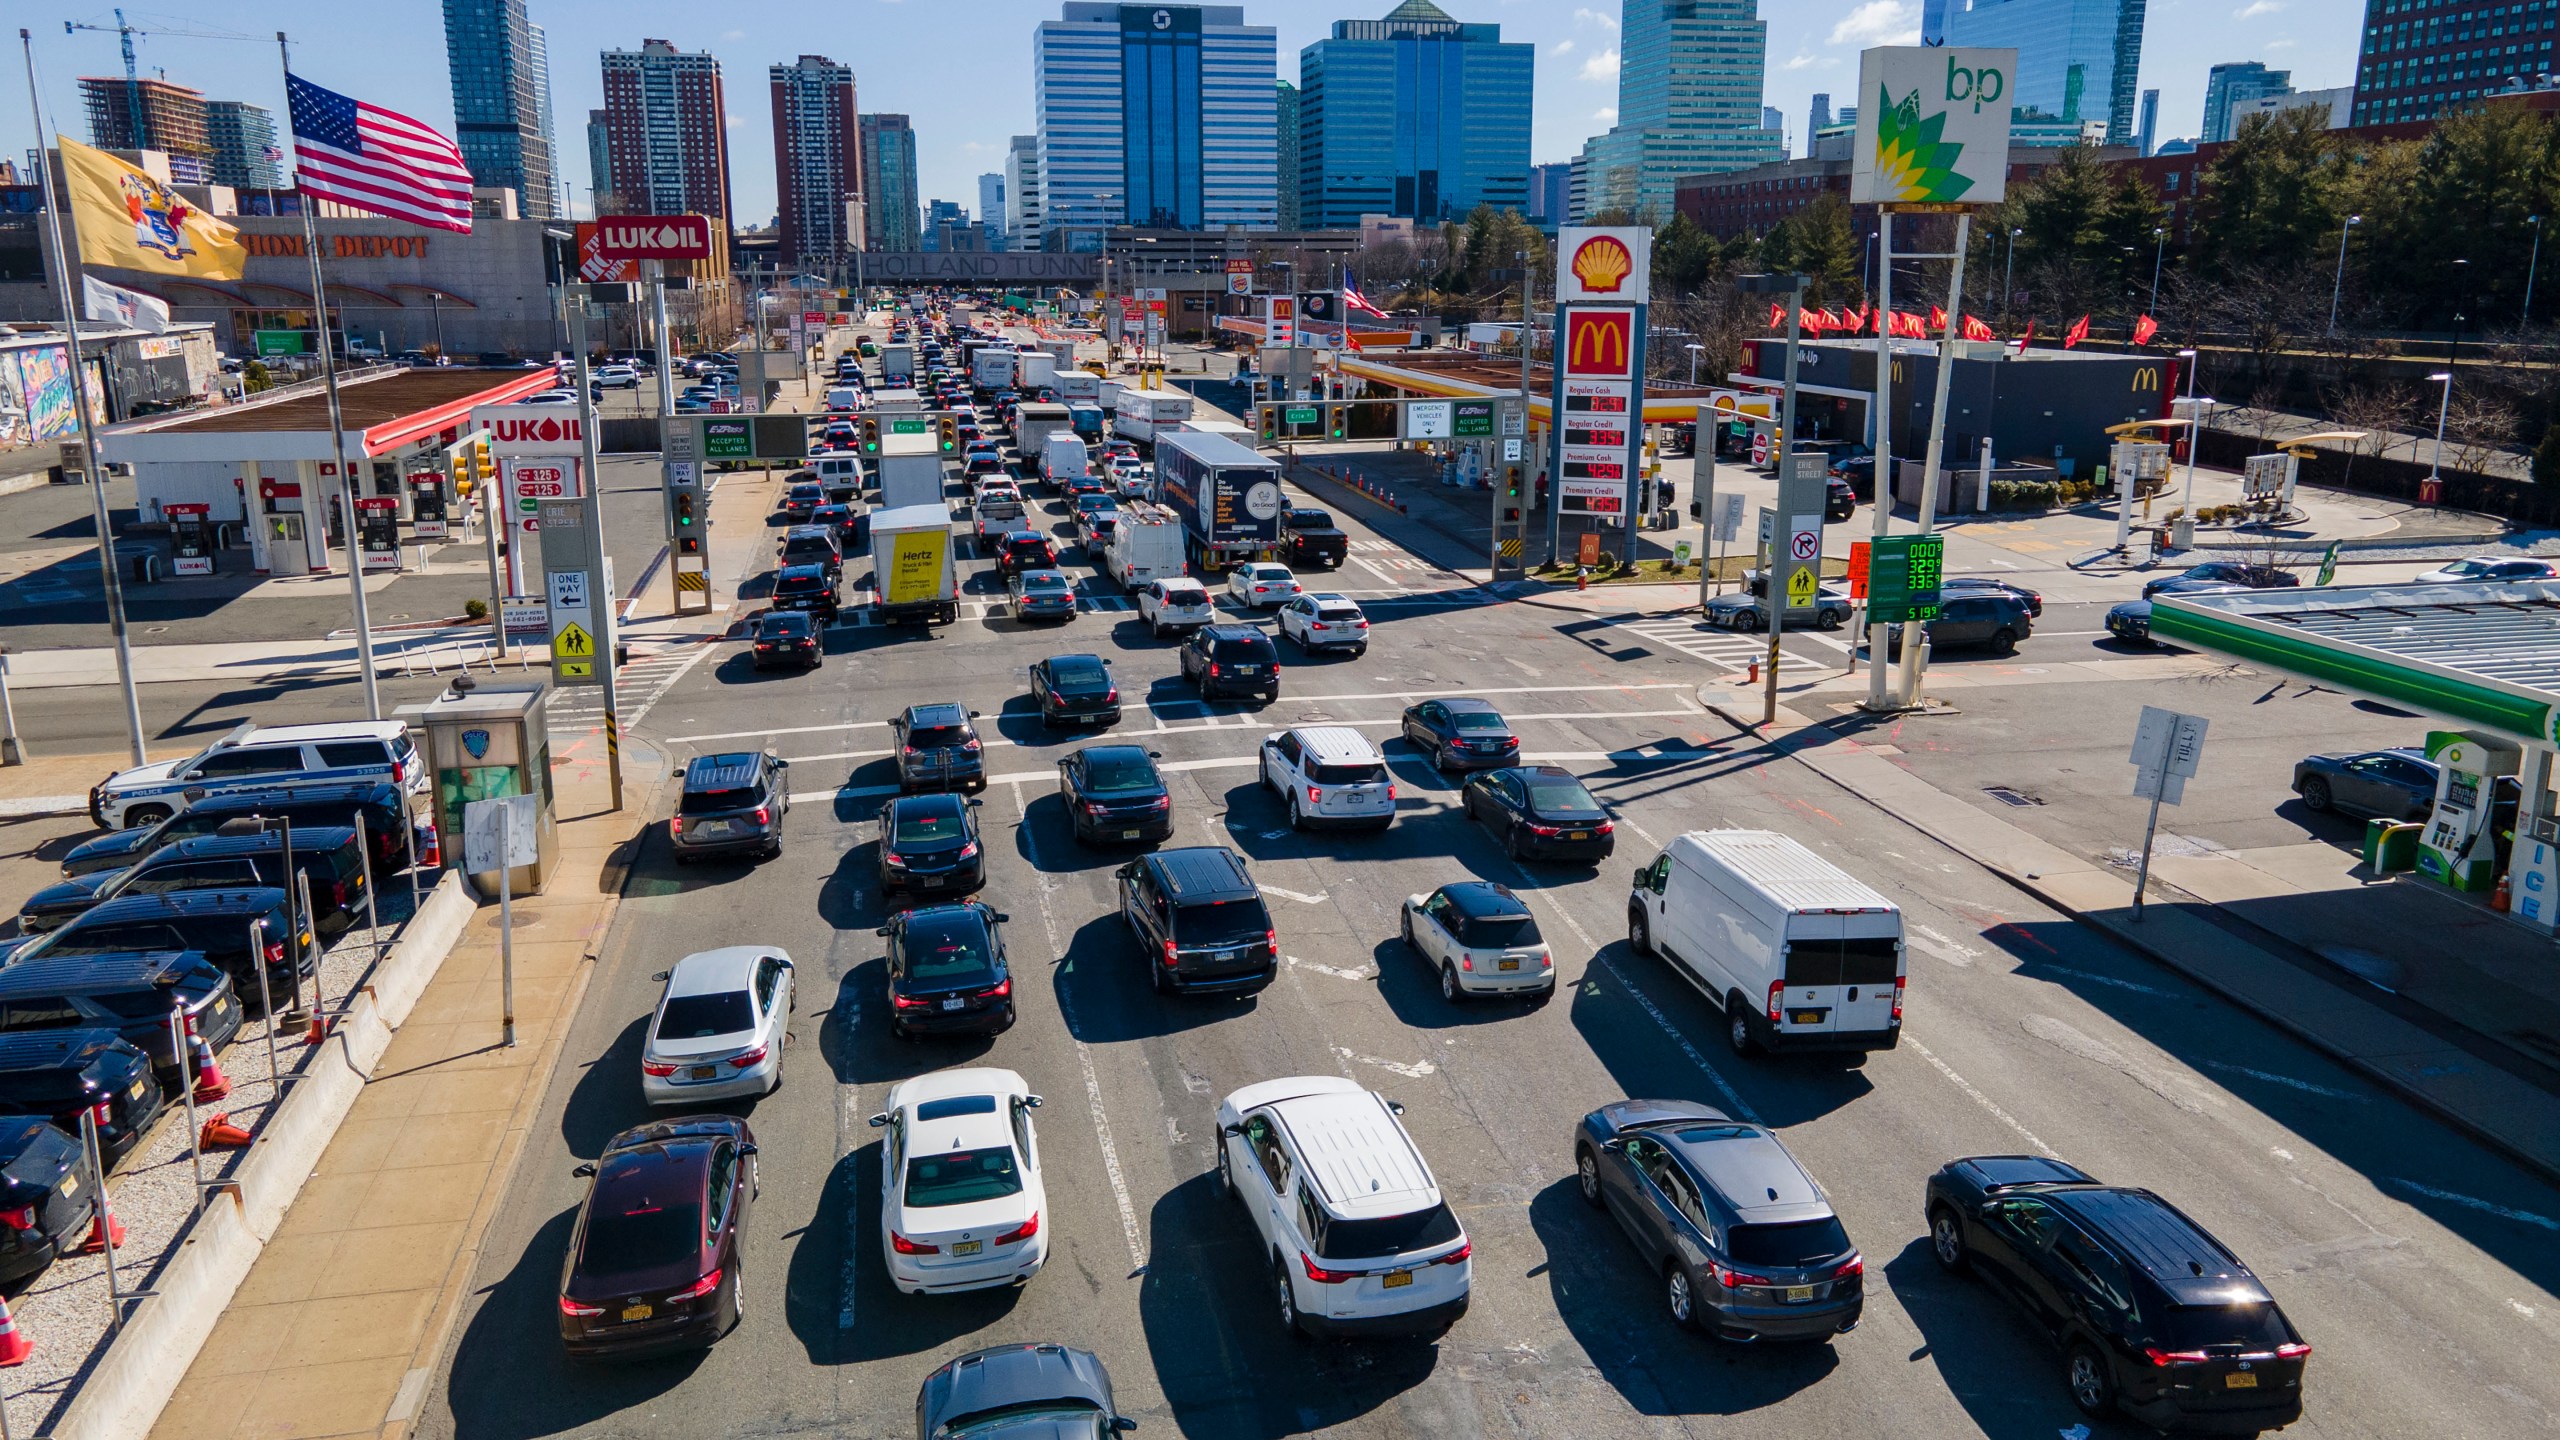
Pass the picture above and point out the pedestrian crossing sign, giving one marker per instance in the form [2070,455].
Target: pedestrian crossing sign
[1800,585]
[572,643]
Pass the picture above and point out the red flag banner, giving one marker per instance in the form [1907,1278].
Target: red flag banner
[1937,320]
[2144,329]
[1975,329]
[2078,332]
[2029,335]
[1810,321]
[1777,316]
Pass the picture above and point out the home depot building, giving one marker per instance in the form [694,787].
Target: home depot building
[2043,406]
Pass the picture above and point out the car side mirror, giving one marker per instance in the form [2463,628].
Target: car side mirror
[1003,918]
[883,930]
[1155,754]
[584,1172]
[973,714]
[880,1120]
[974,804]
[1123,1424]
[749,1148]
[1614,1145]
[1235,1130]
[1030,1102]
[661,976]
[1396,1105]
[1126,872]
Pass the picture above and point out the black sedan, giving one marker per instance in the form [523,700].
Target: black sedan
[2219,575]
[930,842]
[2394,784]
[1115,793]
[654,1261]
[1461,734]
[947,971]
[800,499]
[1540,812]
[2130,622]
[2153,1315]
[786,637]
[1075,690]
[1019,1392]
[1739,1237]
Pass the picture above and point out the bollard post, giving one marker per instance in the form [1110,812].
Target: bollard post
[364,869]
[187,1088]
[266,1002]
[507,929]
[105,1217]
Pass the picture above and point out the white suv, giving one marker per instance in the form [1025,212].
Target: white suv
[343,752]
[1329,775]
[1356,1235]
[1325,622]
[1175,603]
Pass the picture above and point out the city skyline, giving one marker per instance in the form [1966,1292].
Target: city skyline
[906,63]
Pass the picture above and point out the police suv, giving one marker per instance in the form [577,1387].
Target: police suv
[252,755]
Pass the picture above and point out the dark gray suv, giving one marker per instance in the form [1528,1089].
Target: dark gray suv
[1975,618]
[732,805]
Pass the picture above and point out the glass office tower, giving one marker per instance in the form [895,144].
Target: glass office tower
[1414,115]
[1689,86]
[2077,59]
[1155,115]
[501,72]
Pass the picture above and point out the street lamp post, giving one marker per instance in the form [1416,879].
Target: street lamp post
[2461,272]
[2530,266]
[2009,267]
[2159,248]
[2443,405]
[1694,350]
[2338,286]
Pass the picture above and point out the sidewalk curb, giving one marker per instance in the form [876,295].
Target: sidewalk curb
[27,807]
[133,1381]
[446,1320]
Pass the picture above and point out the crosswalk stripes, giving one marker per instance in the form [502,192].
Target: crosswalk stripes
[1713,644]
[649,675]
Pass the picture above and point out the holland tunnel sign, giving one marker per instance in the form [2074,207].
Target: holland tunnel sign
[653,237]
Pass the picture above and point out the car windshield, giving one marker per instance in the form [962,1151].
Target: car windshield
[962,1177]
[2254,1327]
[717,802]
[1792,1245]
[928,820]
[947,949]
[700,1017]
[1386,1235]
[928,736]
[1495,932]
[1550,795]
[1049,581]
[1477,720]
[1221,922]
[1361,773]
[1128,773]
[641,1238]
[783,627]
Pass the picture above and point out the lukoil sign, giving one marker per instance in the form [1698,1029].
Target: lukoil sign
[532,429]
[1933,126]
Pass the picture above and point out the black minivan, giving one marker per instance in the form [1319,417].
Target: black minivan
[1199,921]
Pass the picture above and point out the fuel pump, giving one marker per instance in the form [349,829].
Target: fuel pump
[279,545]
[378,532]
[2460,844]
[427,503]
[192,541]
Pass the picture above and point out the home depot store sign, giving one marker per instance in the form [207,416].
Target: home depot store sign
[339,247]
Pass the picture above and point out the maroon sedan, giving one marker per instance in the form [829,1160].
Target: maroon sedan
[654,1262]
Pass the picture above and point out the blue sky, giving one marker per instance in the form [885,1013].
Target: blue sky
[962,68]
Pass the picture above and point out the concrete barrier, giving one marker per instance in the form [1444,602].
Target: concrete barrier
[125,1392]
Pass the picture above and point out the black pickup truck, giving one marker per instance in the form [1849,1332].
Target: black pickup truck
[1309,537]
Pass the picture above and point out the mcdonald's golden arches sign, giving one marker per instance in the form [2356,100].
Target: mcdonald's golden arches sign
[1600,342]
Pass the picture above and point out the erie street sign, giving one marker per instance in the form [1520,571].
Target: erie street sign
[1903,576]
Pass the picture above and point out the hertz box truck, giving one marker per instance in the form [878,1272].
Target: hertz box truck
[912,569]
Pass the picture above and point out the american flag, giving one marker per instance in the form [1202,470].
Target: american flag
[1351,296]
[376,160]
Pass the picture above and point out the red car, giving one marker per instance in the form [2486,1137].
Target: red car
[654,1263]
[1023,550]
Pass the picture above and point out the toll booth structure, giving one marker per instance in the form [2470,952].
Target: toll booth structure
[267,469]
[2481,656]
[483,743]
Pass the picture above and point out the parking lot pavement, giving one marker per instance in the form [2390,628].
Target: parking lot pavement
[2429,1296]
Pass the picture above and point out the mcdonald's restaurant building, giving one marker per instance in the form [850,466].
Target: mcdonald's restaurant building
[2045,407]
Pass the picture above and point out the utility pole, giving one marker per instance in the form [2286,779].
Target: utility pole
[1932,464]
[1880,420]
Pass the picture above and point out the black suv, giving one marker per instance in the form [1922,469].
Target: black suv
[57,1075]
[1199,920]
[811,589]
[1230,660]
[938,748]
[732,804]
[2153,1315]
[46,1205]
[383,805]
[221,925]
[131,995]
[325,853]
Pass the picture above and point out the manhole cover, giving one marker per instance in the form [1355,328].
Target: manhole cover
[2008,795]
[1314,717]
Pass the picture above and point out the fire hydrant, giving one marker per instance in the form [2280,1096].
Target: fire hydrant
[1581,577]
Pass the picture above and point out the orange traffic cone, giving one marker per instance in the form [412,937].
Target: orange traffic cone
[319,1030]
[219,1132]
[14,1347]
[211,1083]
[103,1227]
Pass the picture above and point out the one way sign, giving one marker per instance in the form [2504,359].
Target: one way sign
[653,237]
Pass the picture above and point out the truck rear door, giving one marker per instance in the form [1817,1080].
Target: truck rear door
[1836,983]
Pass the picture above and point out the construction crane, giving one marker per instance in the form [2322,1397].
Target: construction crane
[132,72]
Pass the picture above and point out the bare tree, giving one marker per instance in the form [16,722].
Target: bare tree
[2385,413]
[2264,415]
[2480,428]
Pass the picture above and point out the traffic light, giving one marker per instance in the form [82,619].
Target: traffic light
[870,435]
[1270,421]
[1334,422]
[946,432]
[1511,481]
[685,519]
[484,462]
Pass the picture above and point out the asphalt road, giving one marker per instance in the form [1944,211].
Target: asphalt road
[2423,1269]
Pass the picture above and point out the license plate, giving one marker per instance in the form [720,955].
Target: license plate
[1509,965]
[715,827]
[1396,1279]
[954,1003]
[2240,1380]
[1248,669]
[135,1092]
[703,1072]
[968,1247]
[1577,834]
[637,1312]
[70,1186]
[1798,1294]
[1128,834]
[1805,1017]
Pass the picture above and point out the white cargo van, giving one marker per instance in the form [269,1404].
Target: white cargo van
[1798,953]
[1146,546]
[1064,458]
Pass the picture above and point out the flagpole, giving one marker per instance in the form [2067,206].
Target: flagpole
[337,427]
[89,471]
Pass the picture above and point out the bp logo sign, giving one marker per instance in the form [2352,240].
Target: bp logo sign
[1933,126]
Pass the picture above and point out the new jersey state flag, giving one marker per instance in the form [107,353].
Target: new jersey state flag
[129,221]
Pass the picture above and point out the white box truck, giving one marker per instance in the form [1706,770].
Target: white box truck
[1144,416]
[910,471]
[1079,387]
[1033,424]
[1146,546]
[897,365]
[1063,459]
[1798,953]
[1038,368]
[991,368]
[913,577]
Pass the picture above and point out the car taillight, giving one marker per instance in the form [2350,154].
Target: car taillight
[699,1288]
[998,990]
[1213,669]
[1315,795]
[274,952]
[1465,1249]
[1319,1274]
[191,1025]
[1776,988]
[1095,812]
[1363,624]
[576,1311]
[1545,832]
[1168,954]
[905,1246]
[764,813]
[337,892]
[1271,941]
[1021,1232]
[659,1068]
[1467,963]
[763,645]
[2295,1351]
[1161,802]
[1391,792]
[1854,1266]
[969,851]
[1729,1278]
[22,1218]
[746,1058]
[1605,827]
[973,746]
[1898,983]
[910,1002]
[1111,696]
[2166,1358]
[101,1113]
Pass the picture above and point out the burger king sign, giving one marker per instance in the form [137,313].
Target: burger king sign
[1605,266]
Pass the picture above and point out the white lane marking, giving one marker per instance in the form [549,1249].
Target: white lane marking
[1978,1098]
[2096,979]
[2473,1202]
[2521,1308]
[1084,1060]
[1334,970]
[1640,830]
[1414,1071]
[849,1117]
[1939,945]
[1240,722]
[2286,1080]
[1303,899]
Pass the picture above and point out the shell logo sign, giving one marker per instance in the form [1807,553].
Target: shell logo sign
[1601,264]
[1611,263]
